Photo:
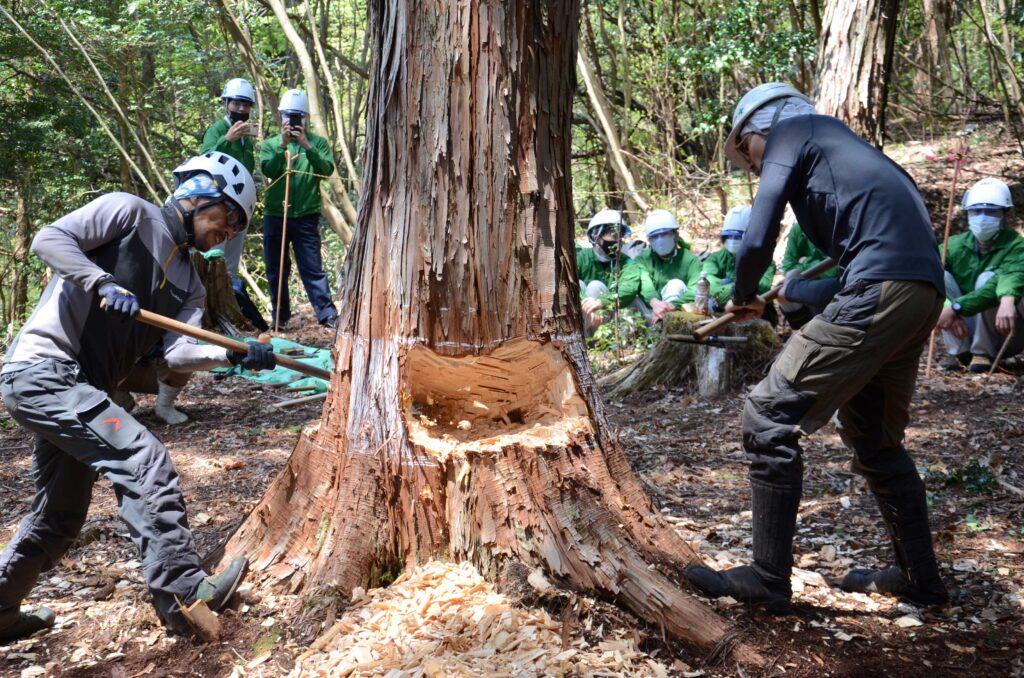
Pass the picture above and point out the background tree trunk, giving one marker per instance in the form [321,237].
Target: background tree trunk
[462,420]
[854,63]
[22,243]
[935,53]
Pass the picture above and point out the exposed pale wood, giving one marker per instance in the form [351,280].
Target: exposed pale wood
[203,620]
[463,421]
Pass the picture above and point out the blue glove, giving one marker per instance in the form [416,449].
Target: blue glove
[258,357]
[120,302]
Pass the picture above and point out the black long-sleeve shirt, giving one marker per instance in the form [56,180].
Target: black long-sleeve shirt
[853,202]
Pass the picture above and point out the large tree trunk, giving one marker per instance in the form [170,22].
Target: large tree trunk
[854,63]
[462,421]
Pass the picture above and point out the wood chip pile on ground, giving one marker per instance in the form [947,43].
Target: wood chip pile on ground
[444,619]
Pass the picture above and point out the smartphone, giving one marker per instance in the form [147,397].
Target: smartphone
[294,120]
[253,129]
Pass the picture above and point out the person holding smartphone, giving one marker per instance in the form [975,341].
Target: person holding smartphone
[231,135]
[311,162]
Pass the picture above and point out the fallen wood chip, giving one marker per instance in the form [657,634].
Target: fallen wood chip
[444,619]
[203,620]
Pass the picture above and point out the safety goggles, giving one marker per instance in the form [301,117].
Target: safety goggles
[987,210]
[235,217]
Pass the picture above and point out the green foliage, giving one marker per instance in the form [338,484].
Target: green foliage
[630,334]
[975,477]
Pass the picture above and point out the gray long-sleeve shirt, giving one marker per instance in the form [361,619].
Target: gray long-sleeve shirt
[853,203]
[116,238]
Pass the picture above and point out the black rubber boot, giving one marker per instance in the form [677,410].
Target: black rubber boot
[26,624]
[766,582]
[218,588]
[915,577]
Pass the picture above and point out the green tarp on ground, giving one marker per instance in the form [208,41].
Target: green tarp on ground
[282,376]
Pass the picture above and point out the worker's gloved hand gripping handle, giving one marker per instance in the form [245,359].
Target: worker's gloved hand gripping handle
[118,301]
[260,356]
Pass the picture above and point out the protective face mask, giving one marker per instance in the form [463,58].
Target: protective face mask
[237,117]
[733,244]
[984,226]
[610,247]
[663,245]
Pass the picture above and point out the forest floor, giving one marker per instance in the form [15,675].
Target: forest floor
[966,435]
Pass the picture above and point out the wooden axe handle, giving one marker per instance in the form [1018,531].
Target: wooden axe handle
[172,325]
[702,332]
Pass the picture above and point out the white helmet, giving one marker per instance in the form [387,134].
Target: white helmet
[239,88]
[230,177]
[748,105]
[736,222]
[606,218]
[659,221]
[988,191]
[294,101]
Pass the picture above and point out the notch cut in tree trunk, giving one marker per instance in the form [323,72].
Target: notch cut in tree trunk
[462,420]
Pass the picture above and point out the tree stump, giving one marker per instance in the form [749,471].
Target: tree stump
[710,370]
[222,313]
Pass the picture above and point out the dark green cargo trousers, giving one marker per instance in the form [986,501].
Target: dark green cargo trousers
[860,357]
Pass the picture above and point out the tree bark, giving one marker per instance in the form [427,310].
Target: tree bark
[222,312]
[462,421]
[935,51]
[854,63]
[22,243]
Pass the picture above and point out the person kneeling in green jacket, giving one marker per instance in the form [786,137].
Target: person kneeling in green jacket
[720,266]
[599,266]
[984,283]
[663,277]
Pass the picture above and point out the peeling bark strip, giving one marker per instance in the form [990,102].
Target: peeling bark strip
[854,63]
[462,420]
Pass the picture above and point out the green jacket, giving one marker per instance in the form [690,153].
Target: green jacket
[1005,258]
[242,150]
[721,266]
[591,268]
[801,254]
[304,188]
[649,273]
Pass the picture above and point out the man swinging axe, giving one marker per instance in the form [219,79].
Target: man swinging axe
[112,257]
[859,356]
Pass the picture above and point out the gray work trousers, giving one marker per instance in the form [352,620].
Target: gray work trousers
[983,338]
[80,433]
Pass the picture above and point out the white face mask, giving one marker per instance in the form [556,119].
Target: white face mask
[733,244]
[985,227]
[664,244]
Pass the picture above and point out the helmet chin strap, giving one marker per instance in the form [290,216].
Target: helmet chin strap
[186,220]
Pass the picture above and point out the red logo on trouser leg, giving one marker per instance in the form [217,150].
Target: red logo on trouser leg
[112,420]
